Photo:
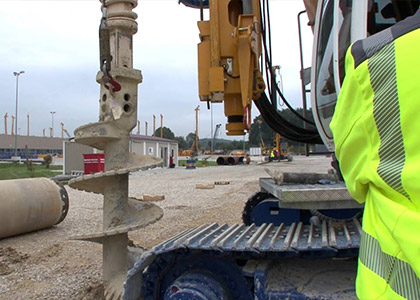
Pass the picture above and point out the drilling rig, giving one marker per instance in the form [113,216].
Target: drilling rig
[285,257]
[304,239]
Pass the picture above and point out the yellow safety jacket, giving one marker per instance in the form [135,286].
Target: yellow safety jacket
[376,129]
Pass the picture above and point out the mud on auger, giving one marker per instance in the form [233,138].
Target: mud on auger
[117,117]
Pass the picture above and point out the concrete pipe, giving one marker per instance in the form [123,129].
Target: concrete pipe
[234,160]
[221,160]
[231,160]
[30,204]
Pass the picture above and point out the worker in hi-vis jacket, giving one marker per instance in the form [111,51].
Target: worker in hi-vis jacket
[376,127]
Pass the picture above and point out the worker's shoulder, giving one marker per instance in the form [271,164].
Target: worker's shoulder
[366,48]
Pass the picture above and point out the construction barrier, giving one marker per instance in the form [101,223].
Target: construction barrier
[94,162]
[191,163]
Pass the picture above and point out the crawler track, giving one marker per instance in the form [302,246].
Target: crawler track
[239,243]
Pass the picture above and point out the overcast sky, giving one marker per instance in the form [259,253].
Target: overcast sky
[56,44]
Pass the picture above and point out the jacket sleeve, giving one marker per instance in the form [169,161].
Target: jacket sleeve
[350,135]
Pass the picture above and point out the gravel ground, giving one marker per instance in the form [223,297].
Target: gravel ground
[48,265]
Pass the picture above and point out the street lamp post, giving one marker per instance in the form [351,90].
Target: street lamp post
[52,123]
[52,131]
[16,115]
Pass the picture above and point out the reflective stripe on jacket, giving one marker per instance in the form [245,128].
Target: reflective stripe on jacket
[376,128]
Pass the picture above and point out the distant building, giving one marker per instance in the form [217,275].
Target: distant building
[154,146]
[139,144]
[36,145]
[73,156]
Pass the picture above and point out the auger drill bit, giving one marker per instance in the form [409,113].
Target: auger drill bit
[117,117]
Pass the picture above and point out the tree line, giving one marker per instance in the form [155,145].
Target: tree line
[260,134]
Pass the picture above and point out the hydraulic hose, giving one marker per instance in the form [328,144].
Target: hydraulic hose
[284,127]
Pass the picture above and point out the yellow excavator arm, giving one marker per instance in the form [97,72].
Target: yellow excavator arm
[228,57]
[235,50]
